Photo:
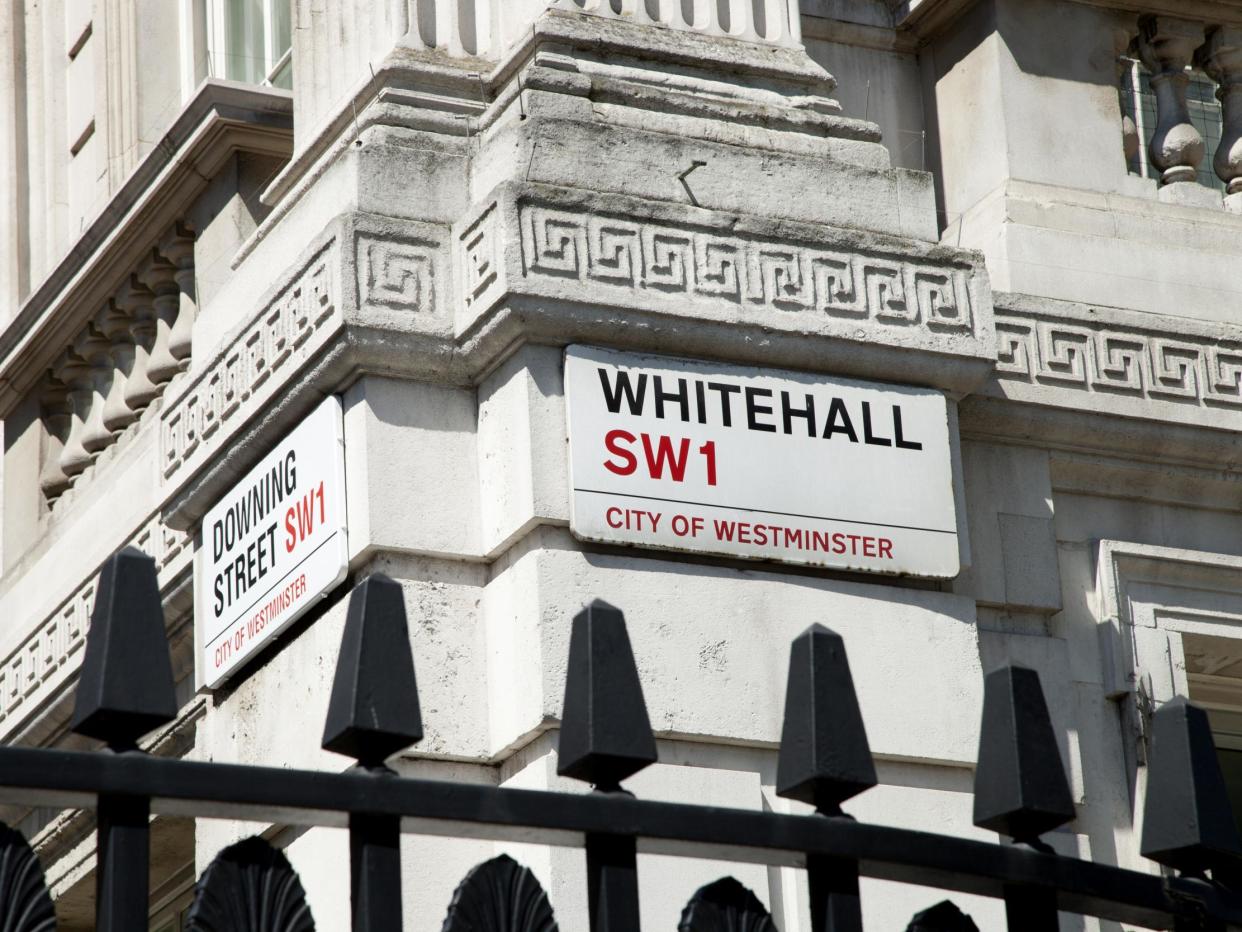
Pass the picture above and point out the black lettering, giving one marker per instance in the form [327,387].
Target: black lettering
[681,396]
[753,408]
[633,397]
[808,413]
[868,436]
[900,440]
[836,411]
[701,397]
[724,389]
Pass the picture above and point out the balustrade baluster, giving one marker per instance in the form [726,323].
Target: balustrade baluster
[161,277]
[373,713]
[1166,45]
[1221,58]
[76,373]
[136,299]
[115,323]
[54,403]
[178,249]
[95,349]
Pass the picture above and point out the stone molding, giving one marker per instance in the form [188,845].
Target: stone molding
[680,261]
[785,276]
[1125,362]
[255,364]
[48,656]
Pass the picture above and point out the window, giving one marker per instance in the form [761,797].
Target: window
[251,41]
[1138,101]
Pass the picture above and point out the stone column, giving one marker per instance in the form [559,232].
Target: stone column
[137,300]
[160,276]
[178,249]
[1166,45]
[57,414]
[1221,58]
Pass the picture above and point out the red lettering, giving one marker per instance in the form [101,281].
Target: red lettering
[628,461]
[886,548]
[613,517]
[657,459]
[709,453]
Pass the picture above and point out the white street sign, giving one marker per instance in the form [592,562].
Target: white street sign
[272,545]
[775,465]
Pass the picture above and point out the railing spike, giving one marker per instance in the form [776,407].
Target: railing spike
[125,688]
[1020,785]
[824,756]
[605,732]
[943,917]
[1187,819]
[373,711]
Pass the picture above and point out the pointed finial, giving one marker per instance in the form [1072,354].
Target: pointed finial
[1020,785]
[824,757]
[125,688]
[373,712]
[605,733]
[1187,819]
[943,917]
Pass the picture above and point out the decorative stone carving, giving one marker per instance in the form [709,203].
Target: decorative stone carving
[278,337]
[1166,44]
[1221,58]
[49,655]
[250,887]
[1157,366]
[787,276]
[114,323]
[499,895]
[397,274]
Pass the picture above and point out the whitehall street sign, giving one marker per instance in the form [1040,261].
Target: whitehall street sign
[272,545]
[773,465]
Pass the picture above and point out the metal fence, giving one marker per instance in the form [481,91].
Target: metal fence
[126,690]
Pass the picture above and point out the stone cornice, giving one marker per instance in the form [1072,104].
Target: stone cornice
[926,18]
[222,118]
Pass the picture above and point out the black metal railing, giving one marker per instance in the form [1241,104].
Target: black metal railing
[126,690]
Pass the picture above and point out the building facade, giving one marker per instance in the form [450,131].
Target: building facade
[1028,212]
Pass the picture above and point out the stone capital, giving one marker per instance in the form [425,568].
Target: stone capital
[1166,43]
[1221,56]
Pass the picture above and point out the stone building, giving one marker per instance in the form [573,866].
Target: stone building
[1028,212]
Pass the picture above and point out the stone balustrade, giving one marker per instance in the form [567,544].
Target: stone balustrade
[119,363]
[1167,47]
[774,22]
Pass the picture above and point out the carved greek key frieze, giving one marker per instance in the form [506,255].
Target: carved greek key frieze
[52,651]
[1098,357]
[397,274]
[787,276]
[275,341]
[480,266]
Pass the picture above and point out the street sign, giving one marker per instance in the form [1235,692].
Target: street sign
[760,464]
[273,545]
